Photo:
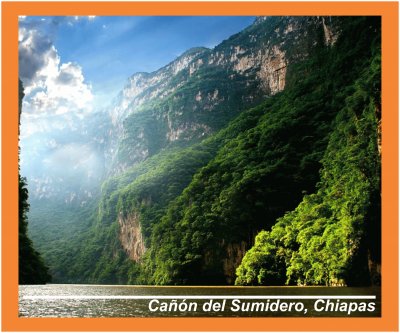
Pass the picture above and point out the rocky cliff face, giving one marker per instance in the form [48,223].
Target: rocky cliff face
[131,236]
[203,89]
[199,93]
[331,33]
[234,255]
[144,87]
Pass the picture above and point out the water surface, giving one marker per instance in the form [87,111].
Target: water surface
[106,307]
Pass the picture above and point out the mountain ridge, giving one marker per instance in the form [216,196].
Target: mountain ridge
[214,147]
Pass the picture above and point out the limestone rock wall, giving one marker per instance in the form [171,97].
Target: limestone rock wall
[131,236]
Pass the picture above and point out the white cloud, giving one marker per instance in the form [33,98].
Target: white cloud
[51,87]
[89,17]
[36,52]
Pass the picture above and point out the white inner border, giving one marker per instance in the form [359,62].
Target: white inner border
[128,297]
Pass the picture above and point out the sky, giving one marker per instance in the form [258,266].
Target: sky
[79,64]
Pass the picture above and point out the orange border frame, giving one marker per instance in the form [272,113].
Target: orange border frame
[389,12]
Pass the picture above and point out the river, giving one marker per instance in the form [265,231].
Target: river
[62,300]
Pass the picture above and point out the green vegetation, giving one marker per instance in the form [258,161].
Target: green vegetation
[297,172]
[32,269]
[326,239]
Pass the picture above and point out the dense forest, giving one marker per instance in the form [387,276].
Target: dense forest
[333,236]
[265,175]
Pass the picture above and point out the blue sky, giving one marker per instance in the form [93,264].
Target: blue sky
[98,54]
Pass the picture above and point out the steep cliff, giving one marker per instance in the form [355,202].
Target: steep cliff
[203,89]
[208,151]
[131,237]
[238,196]
[331,238]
